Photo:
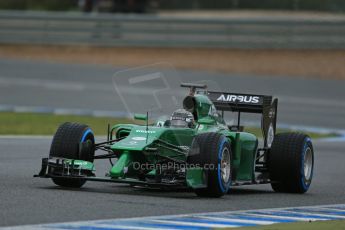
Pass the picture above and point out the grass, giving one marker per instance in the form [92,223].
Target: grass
[257,132]
[317,225]
[46,124]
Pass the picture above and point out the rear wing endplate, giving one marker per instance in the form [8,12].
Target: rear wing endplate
[249,103]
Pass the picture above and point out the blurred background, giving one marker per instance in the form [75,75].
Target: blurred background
[141,6]
[62,56]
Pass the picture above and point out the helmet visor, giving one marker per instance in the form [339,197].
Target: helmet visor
[179,123]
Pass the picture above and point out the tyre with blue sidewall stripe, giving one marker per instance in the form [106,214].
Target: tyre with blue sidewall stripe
[291,163]
[72,141]
[212,151]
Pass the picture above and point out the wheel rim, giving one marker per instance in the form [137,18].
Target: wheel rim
[225,165]
[308,164]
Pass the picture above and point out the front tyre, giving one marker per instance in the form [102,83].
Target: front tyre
[72,141]
[213,152]
[291,163]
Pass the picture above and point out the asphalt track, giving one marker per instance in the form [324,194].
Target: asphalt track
[28,200]
[307,102]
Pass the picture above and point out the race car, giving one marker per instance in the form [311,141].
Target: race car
[194,148]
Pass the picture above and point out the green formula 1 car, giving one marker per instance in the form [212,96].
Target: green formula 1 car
[194,149]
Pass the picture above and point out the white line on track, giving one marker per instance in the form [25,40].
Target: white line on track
[310,213]
[196,224]
[203,220]
[243,221]
[273,216]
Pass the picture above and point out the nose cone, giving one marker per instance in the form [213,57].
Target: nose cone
[138,139]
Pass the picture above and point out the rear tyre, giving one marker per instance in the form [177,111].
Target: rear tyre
[72,141]
[291,163]
[213,152]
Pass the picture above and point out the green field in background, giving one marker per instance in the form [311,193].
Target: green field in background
[46,124]
[257,132]
[317,225]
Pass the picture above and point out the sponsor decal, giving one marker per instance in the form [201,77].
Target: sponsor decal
[139,138]
[239,98]
[80,162]
[270,136]
[145,131]
[271,113]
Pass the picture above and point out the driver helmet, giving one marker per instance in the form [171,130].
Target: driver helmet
[182,118]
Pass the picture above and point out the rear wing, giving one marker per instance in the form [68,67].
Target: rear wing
[249,103]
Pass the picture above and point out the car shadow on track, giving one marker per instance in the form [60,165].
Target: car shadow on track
[248,191]
[151,192]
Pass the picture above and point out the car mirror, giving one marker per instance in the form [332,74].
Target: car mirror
[141,117]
